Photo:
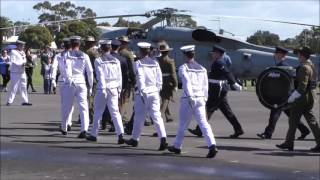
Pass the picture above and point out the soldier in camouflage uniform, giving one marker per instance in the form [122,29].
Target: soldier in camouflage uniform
[169,77]
[92,51]
[302,101]
[127,88]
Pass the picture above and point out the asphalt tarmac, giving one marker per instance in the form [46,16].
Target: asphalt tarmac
[33,148]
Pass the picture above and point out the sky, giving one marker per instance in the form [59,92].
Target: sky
[203,11]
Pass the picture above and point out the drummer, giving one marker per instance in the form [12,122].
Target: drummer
[280,56]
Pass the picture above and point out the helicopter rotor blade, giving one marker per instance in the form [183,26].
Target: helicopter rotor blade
[266,20]
[79,19]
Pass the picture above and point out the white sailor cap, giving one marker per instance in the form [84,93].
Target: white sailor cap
[187,48]
[75,38]
[105,42]
[144,45]
[20,42]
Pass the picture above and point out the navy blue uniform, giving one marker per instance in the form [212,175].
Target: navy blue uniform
[218,93]
[275,115]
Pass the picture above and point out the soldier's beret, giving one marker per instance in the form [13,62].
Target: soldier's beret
[219,49]
[280,49]
[115,42]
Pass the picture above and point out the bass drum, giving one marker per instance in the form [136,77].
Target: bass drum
[274,86]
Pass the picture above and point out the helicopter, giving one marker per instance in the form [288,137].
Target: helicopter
[248,60]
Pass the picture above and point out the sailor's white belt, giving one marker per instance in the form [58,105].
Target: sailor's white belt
[166,74]
[215,81]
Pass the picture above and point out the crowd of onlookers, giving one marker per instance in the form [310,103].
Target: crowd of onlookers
[45,55]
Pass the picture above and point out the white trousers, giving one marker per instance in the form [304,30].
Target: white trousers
[18,82]
[110,98]
[148,105]
[197,110]
[69,118]
[68,93]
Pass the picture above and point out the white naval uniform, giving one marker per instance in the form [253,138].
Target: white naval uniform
[18,76]
[193,100]
[73,65]
[58,59]
[109,77]
[147,98]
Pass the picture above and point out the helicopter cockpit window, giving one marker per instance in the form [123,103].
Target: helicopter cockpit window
[205,35]
[137,33]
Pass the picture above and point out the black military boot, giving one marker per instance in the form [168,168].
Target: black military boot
[91,138]
[285,146]
[303,135]
[316,148]
[68,128]
[213,150]
[264,136]
[120,139]
[131,142]
[63,132]
[82,135]
[174,150]
[196,131]
[237,134]
[163,144]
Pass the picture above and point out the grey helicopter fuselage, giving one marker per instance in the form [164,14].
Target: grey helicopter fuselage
[248,60]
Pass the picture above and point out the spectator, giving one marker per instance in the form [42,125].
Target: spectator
[29,69]
[4,68]
[47,66]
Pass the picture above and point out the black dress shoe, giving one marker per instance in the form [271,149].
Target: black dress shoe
[237,134]
[146,123]
[212,151]
[169,120]
[315,149]
[120,139]
[91,138]
[303,136]
[8,104]
[82,135]
[63,132]
[285,146]
[26,104]
[174,150]
[33,90]
[131,142]
[155,134]
[163,144]
[68,128]
[264,136]
[112,129]
[196,131]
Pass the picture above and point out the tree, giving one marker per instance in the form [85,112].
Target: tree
[65,11]
[79,28]
[264,38]
[104,24]
[62,11]
[5,22]
[36,37]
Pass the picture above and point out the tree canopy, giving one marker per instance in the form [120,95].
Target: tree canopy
[308,37]
[36,37]
[4,22]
